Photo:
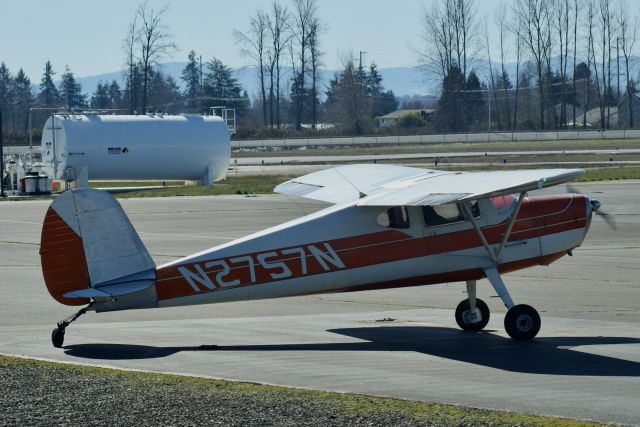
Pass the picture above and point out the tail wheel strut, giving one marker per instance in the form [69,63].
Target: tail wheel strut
[57,335]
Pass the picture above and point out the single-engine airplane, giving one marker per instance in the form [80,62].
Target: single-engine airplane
[388,226]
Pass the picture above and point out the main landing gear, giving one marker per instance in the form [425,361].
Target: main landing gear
[57,335]
[522,322]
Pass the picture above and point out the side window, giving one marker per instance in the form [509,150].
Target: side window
[395,217]
[446,214]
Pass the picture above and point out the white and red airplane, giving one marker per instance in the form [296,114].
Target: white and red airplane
[389,226]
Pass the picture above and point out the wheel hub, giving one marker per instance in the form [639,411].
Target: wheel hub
[472,316]
[524,322]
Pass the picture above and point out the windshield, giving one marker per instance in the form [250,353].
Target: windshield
[505,204]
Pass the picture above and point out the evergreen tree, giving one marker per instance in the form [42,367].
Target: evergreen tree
[191,78]
[23,100]
[115,95]
[100,98]
[131,95]
[347,100]
[449,116]
[48,95]
[221,86]
[474,101]
[71,91]
[175,98]
[6,95]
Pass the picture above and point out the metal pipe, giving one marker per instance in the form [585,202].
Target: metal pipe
[30,141]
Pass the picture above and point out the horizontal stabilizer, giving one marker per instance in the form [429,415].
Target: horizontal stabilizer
[111,291]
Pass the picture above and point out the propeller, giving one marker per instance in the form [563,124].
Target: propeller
[597,208]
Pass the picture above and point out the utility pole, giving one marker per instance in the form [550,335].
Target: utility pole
[360,66]
[201,87]
[618,72]
[1,159]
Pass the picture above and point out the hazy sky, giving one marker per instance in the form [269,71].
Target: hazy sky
[86,35]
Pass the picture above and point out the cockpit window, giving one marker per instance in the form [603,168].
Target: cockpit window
[395,217]
[446,214]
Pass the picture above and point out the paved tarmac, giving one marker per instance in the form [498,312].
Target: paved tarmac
[584,364]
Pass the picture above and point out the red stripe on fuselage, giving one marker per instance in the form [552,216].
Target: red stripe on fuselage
[537,217]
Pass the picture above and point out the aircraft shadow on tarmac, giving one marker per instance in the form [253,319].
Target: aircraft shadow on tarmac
[543,355]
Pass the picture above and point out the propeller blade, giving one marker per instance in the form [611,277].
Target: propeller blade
[608,219]
[596,205]
[572,189]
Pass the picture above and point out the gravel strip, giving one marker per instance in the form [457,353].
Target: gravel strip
[48,394]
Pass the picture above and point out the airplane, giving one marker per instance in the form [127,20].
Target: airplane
[387,226]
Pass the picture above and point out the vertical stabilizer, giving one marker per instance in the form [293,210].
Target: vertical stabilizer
[89,249]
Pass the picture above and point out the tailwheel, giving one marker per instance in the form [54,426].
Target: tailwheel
[522,322]
[474,320]
[57,337]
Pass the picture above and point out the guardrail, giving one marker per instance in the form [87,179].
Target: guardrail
[437,139]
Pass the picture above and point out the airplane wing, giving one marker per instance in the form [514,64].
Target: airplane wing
[348,183]
[387,185]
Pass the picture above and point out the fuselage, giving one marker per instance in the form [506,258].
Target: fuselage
[350,248]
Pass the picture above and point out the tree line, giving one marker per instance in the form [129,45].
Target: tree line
[549,89]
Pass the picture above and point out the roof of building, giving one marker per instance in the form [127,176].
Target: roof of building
[399,113]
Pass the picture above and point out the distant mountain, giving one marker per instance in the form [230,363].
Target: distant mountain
[402,80]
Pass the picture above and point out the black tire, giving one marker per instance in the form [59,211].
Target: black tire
[57,337]
[522,322]
[463,309]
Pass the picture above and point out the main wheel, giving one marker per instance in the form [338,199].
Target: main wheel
[522,322]
[57,337]
[465,318]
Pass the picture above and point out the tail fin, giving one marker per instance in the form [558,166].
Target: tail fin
[89,249]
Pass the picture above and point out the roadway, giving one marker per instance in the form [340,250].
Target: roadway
[584,364]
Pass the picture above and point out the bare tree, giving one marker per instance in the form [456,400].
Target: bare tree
[254,45]
[532,18]
[604,83]
[492,82]
[129,49]
[628,28]
[278,23]
[437,37]
[315,55]
[451,36]
[155,43]
[590,12]
[575,54]
[560,12]
[303,16]
[501,21]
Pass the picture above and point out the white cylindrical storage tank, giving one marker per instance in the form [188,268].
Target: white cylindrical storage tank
[188,147]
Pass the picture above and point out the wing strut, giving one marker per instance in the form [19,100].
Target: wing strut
[495,256]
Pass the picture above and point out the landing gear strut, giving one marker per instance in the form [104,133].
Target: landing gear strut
[57,335]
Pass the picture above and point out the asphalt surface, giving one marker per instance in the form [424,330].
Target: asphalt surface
[584,364]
